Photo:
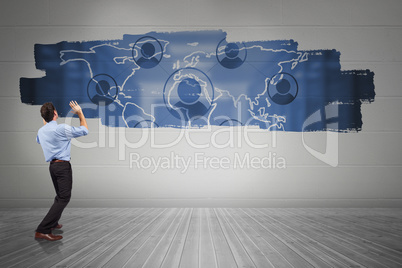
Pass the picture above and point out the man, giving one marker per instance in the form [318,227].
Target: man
[55,140]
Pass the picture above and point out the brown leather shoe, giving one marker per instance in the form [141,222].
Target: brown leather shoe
[49,237]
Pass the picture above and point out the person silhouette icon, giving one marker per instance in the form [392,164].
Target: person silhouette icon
[231,61]
[188,95]
[148,60]
[189,92]
[149,52]
[102,89]
[233,56]
[283,91]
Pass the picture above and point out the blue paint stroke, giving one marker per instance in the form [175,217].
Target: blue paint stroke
[194,79]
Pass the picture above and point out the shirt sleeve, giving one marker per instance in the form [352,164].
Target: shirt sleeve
[37,139]
[74,132]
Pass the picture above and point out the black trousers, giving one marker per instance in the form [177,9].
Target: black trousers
[62,177]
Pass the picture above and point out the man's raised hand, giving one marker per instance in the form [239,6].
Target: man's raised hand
[75,107]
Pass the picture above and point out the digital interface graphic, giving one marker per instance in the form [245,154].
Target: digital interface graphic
[198,78]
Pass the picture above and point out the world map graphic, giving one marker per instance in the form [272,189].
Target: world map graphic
[195,79]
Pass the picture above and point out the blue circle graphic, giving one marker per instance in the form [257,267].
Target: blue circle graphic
[283,88]
[231,55]
[147,52]
[188,94]
[102,89]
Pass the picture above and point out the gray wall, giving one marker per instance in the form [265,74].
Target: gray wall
[368,33]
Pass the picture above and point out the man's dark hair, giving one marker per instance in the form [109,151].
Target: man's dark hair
[47,111]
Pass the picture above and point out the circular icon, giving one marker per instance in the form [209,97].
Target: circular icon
[102,89]
[231,55]
[283,88]
[188,94]
[147,52]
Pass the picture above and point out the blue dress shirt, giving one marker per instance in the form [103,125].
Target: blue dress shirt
[55,139]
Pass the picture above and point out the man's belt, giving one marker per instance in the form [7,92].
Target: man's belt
[58,160]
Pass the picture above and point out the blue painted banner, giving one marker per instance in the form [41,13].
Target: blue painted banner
[199,78]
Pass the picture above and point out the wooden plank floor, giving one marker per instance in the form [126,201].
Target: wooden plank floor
[205,237]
